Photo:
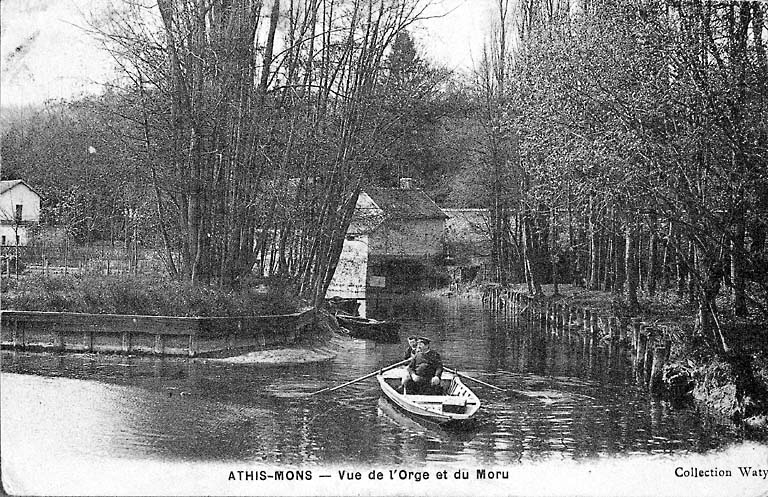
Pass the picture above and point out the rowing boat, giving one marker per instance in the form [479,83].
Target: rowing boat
[369,329]
[457,406]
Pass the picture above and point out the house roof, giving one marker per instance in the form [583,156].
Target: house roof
[367,216]
[405,204]
[6,185]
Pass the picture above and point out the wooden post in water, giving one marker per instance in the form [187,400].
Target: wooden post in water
[513,302]
[548,317]
[649,349]
[585,322]
[527,310]
[640,356]
[594,329]
[660,354]
[541,314]
[636,333]
[18,335]
[193,345]
[555,318]
[623,324]
[59,340]
[125,342]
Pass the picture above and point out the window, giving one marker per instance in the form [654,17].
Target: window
[18,213]
[2,241]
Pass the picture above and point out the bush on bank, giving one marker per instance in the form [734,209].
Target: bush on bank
[146,295]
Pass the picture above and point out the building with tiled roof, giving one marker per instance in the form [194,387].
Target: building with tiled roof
[391,227]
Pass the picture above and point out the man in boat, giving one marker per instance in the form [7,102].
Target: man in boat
[424,371]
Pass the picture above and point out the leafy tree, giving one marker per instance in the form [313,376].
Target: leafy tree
[643,125]
[413,96]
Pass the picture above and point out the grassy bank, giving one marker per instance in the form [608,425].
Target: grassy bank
[154,296]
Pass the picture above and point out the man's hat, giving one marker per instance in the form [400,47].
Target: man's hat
[424,340]
[412,337]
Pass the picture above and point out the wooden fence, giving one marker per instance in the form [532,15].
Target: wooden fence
[77,259]
[647,344]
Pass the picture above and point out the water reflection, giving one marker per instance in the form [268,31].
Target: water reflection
[568,398]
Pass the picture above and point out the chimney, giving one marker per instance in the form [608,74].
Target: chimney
[406,183]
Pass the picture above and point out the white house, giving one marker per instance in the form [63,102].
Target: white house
[390,227]
[19,211]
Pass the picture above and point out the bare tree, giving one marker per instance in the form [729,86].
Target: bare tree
[258,159]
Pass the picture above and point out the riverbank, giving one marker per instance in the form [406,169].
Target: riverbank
[259,324]
[733,385]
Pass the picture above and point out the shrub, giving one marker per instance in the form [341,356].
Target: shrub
[148,295]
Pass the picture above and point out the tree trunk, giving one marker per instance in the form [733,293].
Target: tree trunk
[269,50]
[652,260]
[534,283]
[709,272]
[630,267]
[737,273]
[665,260]
[594,248]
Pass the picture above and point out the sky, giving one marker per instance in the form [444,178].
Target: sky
[46,53]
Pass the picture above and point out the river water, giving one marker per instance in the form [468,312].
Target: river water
[565,402]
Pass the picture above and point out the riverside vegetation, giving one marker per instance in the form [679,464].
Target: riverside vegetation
[145,295]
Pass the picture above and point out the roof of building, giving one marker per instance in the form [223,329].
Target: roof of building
[405,204]
[367,216]
[6,185]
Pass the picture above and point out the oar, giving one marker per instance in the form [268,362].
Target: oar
[507,390]
[474,379]
[331,389]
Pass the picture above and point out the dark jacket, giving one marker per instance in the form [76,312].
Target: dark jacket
[427,365]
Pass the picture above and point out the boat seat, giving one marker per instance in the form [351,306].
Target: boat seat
[426,399]
[435,399]
[455,405]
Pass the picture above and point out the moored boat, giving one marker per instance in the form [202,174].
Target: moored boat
[369,329]
[457,406]
[349,306]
